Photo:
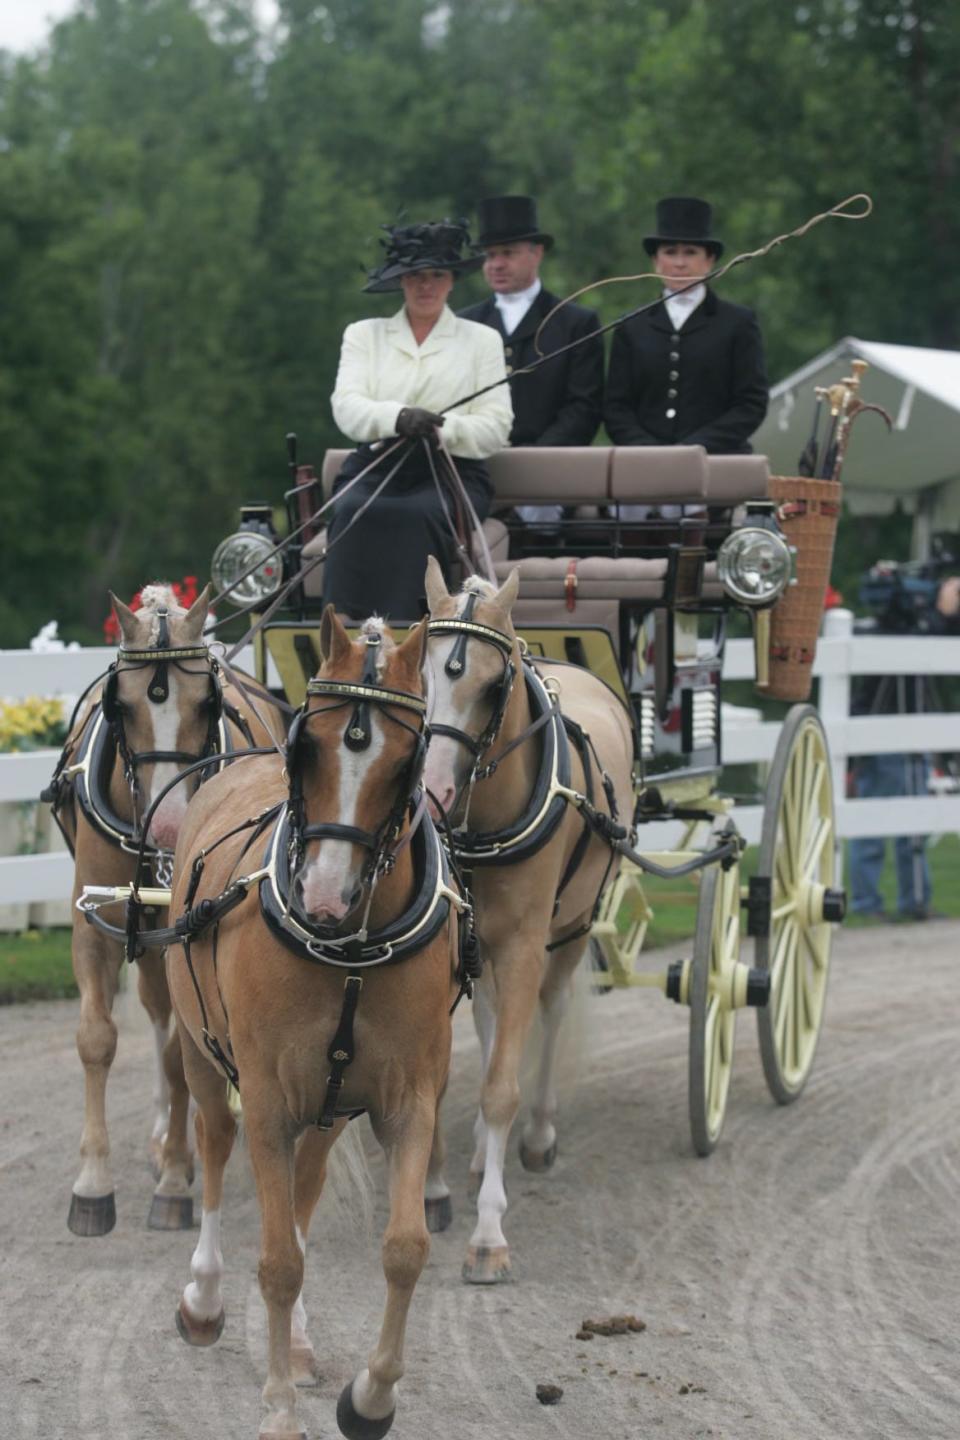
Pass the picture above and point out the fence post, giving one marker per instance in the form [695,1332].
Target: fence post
[835,708]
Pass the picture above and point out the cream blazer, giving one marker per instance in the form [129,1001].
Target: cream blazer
[382,369]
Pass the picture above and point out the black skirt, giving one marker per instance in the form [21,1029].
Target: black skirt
[377,563]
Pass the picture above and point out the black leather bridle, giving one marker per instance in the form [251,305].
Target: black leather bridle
[465,628]
[160,657]
[360,697]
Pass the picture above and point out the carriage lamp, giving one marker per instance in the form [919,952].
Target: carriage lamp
[239,554]
[754,565]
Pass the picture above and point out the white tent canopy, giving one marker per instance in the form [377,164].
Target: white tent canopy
[919,462]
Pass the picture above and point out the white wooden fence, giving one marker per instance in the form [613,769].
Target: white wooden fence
[31,879]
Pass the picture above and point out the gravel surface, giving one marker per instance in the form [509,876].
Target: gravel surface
[801,1283]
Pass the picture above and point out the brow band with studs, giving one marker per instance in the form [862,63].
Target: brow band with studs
[470,627]
[367,692]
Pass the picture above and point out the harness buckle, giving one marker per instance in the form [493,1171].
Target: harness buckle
[570,585]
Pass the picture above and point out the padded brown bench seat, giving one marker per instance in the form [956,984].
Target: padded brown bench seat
[604,475]
[594,475]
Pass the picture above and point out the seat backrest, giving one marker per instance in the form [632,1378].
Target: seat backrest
[734,479]
[332,465]
[552,475]
[658,474]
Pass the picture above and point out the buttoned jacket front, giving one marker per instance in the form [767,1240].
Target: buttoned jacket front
[383,369]
[561,403]
[704,384]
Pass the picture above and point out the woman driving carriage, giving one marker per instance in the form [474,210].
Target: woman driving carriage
[397,376]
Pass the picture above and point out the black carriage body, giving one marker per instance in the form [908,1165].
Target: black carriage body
[624,582]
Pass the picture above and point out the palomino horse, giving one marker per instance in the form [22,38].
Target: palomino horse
[162,707]
[510,772]
[324,1021]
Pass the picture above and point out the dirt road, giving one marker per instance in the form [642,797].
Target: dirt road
[802,1283]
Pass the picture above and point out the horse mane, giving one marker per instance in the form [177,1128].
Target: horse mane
[154,598]
[477,585]
[376,625]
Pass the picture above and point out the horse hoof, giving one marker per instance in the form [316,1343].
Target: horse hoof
[354,1425]
[198,1332]
[303,1366]
[439,1214]
[92,1214]
[485,1266]
[171,1212]
[538,1161]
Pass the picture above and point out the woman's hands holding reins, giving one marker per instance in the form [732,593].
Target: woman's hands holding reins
[414,422]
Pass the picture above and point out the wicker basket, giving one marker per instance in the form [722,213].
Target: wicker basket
[807,512]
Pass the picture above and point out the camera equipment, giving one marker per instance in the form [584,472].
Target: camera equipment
[903,595]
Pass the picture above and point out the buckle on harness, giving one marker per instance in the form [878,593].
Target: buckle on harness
[570,585]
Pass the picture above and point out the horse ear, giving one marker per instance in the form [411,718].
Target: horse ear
[126,618]
[507,593]
[196,616]
[413,650]
[334,640]
[435,585]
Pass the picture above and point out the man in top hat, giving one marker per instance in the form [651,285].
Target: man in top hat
[691,370]
[562,402]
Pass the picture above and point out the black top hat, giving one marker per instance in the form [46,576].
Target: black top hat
[686,219]
[435,245]
[507,218]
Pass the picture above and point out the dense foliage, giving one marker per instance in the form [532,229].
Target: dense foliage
[186,213]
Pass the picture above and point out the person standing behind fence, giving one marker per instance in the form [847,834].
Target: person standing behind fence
[886,776]
[561,403]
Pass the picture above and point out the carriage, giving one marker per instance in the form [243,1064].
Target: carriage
[655,554]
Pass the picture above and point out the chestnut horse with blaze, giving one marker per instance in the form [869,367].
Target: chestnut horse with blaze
[532,763]
[162,708]
[327,990]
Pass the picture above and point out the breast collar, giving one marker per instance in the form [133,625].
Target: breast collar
[548,799]
[90,773]
[409,932]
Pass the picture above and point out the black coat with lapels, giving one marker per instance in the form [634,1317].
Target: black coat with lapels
[562,402]
[704,384]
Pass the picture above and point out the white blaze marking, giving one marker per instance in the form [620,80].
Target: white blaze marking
[332,873]
[168,817]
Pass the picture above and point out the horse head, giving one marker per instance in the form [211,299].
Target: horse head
[162,700]
[354,760]
[474,660]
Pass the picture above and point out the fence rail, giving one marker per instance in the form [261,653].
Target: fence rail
[30,879]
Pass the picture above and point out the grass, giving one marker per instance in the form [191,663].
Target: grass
[35,965]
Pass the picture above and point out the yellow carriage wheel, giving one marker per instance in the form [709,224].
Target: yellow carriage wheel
[713,1016]
[797,853]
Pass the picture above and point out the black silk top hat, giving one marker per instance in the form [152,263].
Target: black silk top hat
[435,245]
[683,219]
[505,219]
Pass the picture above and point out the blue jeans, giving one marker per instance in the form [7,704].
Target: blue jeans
[876,777]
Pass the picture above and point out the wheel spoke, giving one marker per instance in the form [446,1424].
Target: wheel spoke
[818,954]
[814,850]
[779,951]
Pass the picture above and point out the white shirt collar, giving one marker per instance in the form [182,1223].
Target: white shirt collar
[681,307]
[514,306]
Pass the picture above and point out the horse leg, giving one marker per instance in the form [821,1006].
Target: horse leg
[485,1022]
[96,965]
[488,1256]
[272,1154]
[155,999]
[438,1205]
[538,1143]
[200,1315]
[367,1406]
[310,1173]
[172,1205]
